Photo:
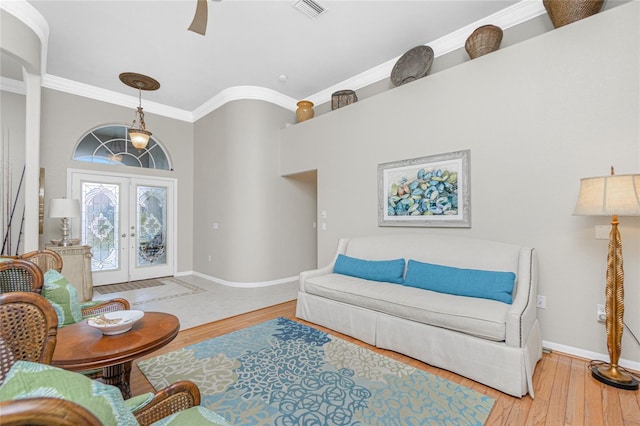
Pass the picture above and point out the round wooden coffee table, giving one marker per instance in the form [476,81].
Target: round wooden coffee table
[81,347]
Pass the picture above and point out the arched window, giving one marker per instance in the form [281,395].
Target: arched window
[111,145]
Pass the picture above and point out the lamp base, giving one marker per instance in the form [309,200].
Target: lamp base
[612,376]
[65,243]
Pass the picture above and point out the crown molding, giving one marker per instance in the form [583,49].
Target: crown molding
[34,20]
[506,18]
[73,87]
[13,86]
[244,92]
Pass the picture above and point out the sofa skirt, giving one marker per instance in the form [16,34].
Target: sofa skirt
[494,364]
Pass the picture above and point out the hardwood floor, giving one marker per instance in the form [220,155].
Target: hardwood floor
[566,394]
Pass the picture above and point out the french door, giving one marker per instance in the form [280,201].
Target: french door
[129,224]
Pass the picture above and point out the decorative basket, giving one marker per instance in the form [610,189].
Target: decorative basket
[483,40]
[563,12]
[343,98]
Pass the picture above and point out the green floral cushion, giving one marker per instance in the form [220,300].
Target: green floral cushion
[137,402]
[63,296]
[32,380]
[193,416]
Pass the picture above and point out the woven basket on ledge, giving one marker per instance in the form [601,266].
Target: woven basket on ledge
[483,40]
[563,12]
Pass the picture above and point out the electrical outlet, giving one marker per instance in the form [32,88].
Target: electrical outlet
[601,313]
[541,302]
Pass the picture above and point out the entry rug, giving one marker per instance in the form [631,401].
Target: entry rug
[148,291]
[281,372]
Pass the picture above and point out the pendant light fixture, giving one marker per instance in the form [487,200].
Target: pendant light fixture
[139,134]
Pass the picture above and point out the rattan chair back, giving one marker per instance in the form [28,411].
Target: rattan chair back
[45,412]
[45,259]
[28,329]
[20,275]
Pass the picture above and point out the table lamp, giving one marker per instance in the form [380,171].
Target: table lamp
[614,195]
[64,208]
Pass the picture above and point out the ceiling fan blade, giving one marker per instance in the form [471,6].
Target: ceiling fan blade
[199,23]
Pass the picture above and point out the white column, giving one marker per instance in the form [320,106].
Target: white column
[32,160]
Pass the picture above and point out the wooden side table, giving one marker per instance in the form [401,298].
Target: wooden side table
[76,267]
[81,347]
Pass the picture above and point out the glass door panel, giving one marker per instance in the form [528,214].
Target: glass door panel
[103,224]
[151,252]
[152,226]
[100,223]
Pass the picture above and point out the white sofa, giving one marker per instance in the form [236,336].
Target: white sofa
[491,342]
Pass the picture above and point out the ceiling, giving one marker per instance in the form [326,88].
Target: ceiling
[264,44]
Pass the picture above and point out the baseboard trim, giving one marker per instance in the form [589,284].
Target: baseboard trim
[238,284]
[582,353]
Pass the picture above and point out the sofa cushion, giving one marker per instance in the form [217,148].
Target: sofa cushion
[376,270]
[63,296]
[462,282]
[478,317]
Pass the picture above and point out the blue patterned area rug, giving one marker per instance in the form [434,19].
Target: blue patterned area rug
[282,372]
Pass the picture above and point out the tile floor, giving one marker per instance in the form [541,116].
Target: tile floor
[195,300]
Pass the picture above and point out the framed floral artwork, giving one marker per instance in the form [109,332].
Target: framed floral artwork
[427,191]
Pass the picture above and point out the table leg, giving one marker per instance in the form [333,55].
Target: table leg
[118,375]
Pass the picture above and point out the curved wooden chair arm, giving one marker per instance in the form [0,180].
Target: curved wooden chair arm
[20,275]
[112,305]
[176,397]
[28,330]
[45,412]
[45,259]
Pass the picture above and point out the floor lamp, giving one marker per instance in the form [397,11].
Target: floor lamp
[614,195]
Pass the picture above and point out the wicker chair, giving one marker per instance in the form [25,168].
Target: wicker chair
[49,259]
[45,259]
[59,412]
[28,329]
[45,412]
[20,275]
[178,396]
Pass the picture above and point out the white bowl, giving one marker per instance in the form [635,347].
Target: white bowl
[126,320]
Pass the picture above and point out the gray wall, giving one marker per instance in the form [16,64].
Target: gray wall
[65,120]
[537,116]
[265,221]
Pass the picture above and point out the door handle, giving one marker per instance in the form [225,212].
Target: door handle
[133,234]
[124,235]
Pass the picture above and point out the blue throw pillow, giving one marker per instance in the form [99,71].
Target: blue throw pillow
[375,270]
[462,282]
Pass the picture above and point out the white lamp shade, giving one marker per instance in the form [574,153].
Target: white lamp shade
[609,195]
[64,207]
